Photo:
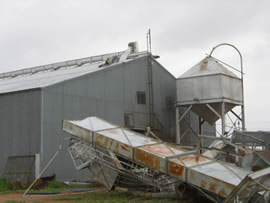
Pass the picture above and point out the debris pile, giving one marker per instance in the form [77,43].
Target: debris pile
[119,157]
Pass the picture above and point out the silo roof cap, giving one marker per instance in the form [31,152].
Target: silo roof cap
[207,66]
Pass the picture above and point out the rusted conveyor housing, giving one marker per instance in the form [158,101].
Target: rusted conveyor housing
[214,176]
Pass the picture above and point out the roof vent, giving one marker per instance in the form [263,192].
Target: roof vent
[134,47]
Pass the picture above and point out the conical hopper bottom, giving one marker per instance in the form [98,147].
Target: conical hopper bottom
[208,115]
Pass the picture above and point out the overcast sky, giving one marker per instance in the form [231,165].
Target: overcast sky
[36,32]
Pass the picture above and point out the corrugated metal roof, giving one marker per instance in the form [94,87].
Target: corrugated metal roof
[43,79]
[207,66]
[48,77]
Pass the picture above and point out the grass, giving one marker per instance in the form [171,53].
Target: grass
[111,197]
[4,185]
[69,198]
[101,196]
[56,184]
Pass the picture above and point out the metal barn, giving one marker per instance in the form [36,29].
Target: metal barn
[129,88]
[35,101]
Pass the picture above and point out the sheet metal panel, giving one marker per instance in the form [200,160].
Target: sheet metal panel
[209,183]
[208,82]
[19,125]
[129,137]
[80,92]
[113,145]
[73,129]
[220,178]
[214,176]
[44,79]
[207,66]
[108,94]
[154,156]
[178,167]
[164,89]
[46,75]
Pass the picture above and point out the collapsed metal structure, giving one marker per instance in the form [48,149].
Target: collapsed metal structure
[222,171]
[120,157]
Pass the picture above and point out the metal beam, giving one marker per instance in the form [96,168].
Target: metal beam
[185,113]
[178,137]
[213,110]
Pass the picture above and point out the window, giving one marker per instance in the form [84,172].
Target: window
[141,98]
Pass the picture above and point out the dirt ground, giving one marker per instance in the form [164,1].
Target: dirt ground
[98,194]
[38,198]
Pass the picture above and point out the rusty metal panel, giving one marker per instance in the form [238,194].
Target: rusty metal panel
[210,183]
[161,150]
[77,130]
[154,156]
[215,176]
[194,160]
[149,160]
[113,145]
[176,169]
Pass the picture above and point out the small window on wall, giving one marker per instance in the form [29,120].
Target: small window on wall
[141,98]
[129,119]
[169,102]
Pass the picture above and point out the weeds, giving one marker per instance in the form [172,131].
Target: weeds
[55,184]
[69,198]
[116,196]
[4,185]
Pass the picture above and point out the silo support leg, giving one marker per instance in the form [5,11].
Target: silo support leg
[223,118]
[178,120]
[177,126]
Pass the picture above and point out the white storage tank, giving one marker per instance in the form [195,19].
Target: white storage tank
[209,82]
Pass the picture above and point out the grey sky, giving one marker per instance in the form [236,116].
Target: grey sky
[35,32]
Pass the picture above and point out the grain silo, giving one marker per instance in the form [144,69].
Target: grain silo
[210,90]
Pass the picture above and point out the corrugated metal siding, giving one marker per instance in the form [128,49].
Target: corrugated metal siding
[107,94]
[135,79]
[19,125]
[164,86]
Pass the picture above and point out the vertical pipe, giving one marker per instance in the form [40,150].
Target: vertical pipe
[200,125]
[177,126]
[243,108]
[199,138]
[37,165]
[41,127]
[223,119]
[242,86]
[242,81]
[150,80]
